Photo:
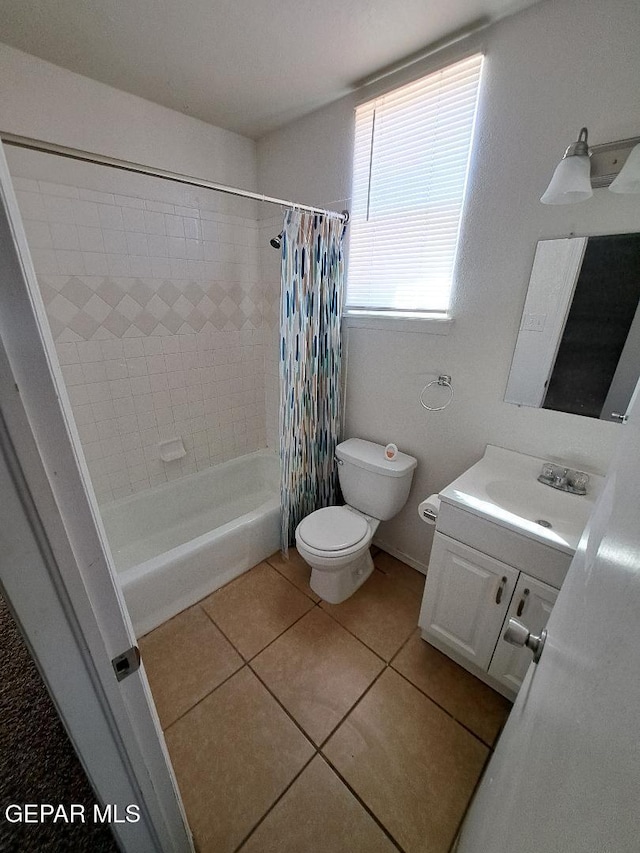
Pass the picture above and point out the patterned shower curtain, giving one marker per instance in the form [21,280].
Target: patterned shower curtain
[310,358]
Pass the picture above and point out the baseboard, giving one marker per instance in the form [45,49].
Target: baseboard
[410,561]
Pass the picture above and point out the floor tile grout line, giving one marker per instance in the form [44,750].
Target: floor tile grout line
[394,656]
[245,661]
[393,579]
[352,708]
[198,603]
[227,638]
[366,645]
[442,708]
[282,633]
[435,701]
[469,801]
[317,749]
[400,582]
[282,575]
[288,713]
[364,805]
[387,664]
[275,802]
[235,647]
[315,603]
[213,690]
[171,618]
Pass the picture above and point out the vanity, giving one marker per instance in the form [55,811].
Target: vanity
[502,548]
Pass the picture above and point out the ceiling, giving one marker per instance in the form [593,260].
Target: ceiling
[246,65]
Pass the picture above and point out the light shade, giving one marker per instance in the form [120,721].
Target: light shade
[571,181]
[628,179]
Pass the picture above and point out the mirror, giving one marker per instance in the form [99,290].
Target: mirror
[578,348]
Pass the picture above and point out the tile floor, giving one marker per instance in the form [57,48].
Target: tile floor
[297,726]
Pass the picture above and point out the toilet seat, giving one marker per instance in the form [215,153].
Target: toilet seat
[333,530]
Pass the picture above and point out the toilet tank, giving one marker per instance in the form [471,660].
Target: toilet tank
[371,483]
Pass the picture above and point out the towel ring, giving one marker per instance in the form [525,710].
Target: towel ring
[444,381]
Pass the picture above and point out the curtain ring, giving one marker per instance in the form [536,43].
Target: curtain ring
[445,382]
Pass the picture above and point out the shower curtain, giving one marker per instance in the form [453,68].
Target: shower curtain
[310,358]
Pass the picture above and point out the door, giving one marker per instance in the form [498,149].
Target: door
[466,597]
[565,775]
[55,571]
[532,603]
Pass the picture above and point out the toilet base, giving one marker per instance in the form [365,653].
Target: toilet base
[334,586]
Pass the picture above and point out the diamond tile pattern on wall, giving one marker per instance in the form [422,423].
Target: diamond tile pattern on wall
[103,307]
[157,311]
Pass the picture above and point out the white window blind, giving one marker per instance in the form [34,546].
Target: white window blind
[411,156]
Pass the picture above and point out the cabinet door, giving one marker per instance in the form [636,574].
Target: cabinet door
[465,599]
[531,604]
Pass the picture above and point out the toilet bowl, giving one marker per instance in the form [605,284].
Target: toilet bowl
[335,540]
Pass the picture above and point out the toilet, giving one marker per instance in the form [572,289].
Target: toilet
[335,540]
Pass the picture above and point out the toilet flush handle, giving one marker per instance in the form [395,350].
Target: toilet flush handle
[338,461]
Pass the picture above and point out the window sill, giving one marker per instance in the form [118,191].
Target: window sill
[423,324]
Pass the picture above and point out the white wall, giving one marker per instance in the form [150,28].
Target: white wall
[549,70]
[44,101]
[152,288]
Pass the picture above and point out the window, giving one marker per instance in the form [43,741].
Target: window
[411,157]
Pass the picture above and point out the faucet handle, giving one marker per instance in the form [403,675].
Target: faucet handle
[579,481]
[548,471]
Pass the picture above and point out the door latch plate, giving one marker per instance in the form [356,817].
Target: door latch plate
[126,663]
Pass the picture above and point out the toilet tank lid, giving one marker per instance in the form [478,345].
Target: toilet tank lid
[369,455]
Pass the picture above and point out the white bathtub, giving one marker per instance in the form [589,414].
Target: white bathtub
[178,542]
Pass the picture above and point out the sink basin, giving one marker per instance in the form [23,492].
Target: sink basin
[503,487]
[549,508]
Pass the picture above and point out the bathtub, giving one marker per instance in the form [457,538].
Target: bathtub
[176,543]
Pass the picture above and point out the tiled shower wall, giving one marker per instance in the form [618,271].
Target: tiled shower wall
[155,301]
[270,226]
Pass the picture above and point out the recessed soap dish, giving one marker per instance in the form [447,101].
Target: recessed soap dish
[172,449]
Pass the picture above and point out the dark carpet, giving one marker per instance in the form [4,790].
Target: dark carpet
[37,761]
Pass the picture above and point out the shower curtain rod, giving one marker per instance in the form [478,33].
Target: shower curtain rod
[138,168]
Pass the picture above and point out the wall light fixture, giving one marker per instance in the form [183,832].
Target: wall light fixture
[571,181]
[628,179]
[613,164]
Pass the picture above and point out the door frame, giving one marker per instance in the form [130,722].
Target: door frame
[56,570]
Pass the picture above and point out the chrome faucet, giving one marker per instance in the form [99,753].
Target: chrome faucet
[560,479]
[564,479]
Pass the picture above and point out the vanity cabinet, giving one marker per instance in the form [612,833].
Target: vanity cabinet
[468,600]
[468,596]
[531,604]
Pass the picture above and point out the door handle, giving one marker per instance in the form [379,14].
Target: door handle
[522,603]
[500,591]
[519,635]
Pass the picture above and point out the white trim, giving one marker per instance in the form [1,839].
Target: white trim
[423,324]
[400,555]
[61,585]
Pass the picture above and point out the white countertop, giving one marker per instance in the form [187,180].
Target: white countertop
[503,488]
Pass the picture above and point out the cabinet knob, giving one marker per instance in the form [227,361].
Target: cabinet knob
[519,635]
